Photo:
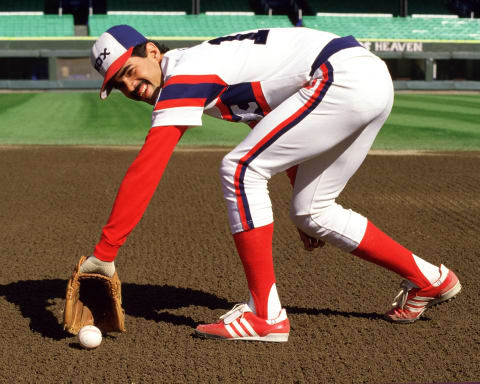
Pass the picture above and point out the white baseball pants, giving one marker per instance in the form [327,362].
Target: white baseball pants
[326,129]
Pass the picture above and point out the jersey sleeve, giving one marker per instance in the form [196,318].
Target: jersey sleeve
[137,189]
[184,97]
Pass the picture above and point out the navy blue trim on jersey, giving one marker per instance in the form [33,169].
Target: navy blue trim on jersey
[208,91]
[241,95]
[259,37]
[333,47]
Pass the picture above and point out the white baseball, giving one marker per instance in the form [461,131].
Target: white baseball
[90,337]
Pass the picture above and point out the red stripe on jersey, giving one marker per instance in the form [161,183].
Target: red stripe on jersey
[194,79]
[238,193]
[224,110]
[173,103]
[260,97]
[242,161]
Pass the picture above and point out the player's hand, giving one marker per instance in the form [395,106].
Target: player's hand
[309,242]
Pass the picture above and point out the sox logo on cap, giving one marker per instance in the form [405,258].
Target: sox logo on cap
[112,50]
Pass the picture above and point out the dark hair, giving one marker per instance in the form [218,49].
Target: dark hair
[141,49]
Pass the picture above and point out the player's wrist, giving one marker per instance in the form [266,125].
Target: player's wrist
[105,251]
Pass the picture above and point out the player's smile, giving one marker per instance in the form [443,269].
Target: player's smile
[144,91]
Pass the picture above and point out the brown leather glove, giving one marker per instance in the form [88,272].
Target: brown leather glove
[93,299]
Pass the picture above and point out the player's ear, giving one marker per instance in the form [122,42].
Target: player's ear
[153,51]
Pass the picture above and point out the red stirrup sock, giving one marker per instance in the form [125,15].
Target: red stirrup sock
[382,250]
[255,250]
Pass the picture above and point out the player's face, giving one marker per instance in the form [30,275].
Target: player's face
[141,78]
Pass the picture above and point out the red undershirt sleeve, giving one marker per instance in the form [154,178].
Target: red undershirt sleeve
[137,189]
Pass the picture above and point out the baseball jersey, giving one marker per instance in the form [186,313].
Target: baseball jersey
[239,77]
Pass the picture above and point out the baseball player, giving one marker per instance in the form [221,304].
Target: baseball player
[315,102]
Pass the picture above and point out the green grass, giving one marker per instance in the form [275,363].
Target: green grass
[418,121]
[433,122]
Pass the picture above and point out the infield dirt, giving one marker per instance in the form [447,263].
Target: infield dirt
[179,268]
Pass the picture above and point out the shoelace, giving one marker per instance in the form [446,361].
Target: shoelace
[234,309]
[400,300]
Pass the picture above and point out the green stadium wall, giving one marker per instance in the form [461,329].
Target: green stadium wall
[78,48]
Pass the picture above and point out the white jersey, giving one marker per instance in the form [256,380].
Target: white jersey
[239,77]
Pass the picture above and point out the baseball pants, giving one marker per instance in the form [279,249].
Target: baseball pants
[325,129]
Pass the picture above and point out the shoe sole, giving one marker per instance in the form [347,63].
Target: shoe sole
[448,296]
[272,337]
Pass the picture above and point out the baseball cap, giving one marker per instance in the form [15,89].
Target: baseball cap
[112,50]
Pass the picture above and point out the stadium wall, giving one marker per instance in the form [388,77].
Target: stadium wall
[68,64]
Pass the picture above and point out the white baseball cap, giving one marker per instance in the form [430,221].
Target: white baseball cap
[112,50]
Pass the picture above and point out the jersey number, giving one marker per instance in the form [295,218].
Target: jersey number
[259,37]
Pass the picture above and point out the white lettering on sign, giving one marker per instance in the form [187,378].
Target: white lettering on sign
[396,46]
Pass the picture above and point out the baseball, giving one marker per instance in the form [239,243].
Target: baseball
[90,337]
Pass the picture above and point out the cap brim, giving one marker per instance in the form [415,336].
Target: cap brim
[112,71]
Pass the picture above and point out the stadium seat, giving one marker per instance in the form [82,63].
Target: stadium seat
[186,25]
[416,28]
[436,7]
[36,25]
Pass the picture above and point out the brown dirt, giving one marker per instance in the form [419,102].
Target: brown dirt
[179,268]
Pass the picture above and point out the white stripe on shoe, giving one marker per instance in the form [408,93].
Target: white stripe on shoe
[239,329]
[231,331]
[416,303]
[249,328]
[415,309]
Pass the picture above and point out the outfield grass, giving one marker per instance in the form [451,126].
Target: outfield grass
[418,121]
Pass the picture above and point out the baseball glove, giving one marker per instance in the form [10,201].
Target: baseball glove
[93,299]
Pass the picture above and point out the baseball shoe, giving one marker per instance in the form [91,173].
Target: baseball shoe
[411,302]
[240,323]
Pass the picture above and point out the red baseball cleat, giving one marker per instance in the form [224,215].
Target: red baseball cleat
[240,323]
[411,302]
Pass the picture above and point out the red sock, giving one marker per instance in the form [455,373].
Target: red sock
[255,250]
[382,250]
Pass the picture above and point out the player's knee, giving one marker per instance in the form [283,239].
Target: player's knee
[227,172]
[307,224]
[318,222]
[340,227]
[300,221]
[248,175]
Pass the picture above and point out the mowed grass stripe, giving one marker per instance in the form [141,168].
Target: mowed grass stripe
[418,121]
[437,107]
[71,118]
[448,100]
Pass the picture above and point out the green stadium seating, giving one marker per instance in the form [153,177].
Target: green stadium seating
[150,5]
[21,5]
[417,28]
[437,7]
[36,25]
[186,25]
